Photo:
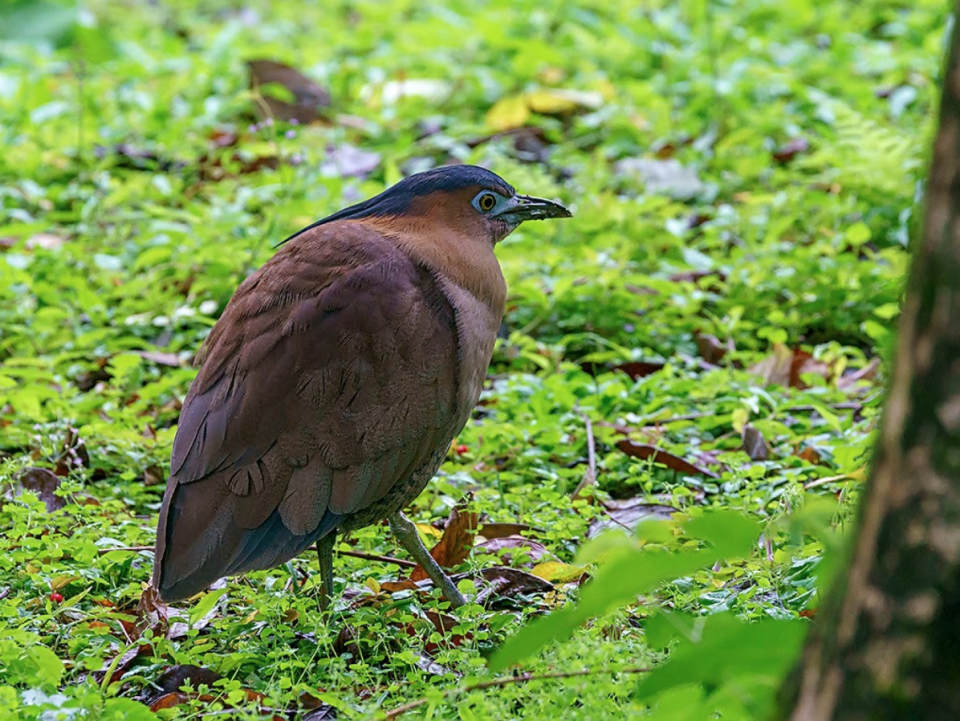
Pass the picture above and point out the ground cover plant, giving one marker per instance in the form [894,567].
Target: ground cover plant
[703,345]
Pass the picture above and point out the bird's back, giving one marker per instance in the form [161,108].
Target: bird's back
[328,393]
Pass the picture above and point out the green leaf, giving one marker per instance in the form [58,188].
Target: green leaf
[729,649]
[205,605]
[731,533]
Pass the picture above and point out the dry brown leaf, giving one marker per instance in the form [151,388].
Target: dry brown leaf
[867,373]
[784,367]
[309,99]
[500,530]
[755,444]
[44,483]
[791,149]
[509,548]
[671,461]
[710,348]
[455,544]
[164,359]
[627,514]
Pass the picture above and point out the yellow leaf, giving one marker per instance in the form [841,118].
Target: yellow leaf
[739,419]
[562,102]
[373,585]
[557,572]
[508,113]
[429,531]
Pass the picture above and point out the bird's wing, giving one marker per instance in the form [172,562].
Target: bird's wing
[330,377]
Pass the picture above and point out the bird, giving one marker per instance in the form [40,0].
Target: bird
[336,378]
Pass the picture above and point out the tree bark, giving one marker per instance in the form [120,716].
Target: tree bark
[887,642]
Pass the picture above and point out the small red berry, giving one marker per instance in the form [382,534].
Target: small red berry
[56,597]
[461,449]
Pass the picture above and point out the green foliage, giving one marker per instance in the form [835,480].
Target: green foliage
[138,187]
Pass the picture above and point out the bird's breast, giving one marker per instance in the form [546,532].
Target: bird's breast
[477,324]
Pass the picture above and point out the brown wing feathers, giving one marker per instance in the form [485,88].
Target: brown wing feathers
[330,378]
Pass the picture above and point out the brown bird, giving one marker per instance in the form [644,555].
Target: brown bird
[336,378]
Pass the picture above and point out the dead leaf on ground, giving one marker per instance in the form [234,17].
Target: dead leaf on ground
[286,93]
[790,150]
[172,678]
[151,612]
[164,359]
[45,241]
[695,276]
[644,451]
[500,530]
[626,514]
[230,165]
[500,582]
[153,475]
[711,349]
[510,548]
[44,483]
[810,455]
[867,373]
[662,177]
[529,142]
[558,572]
[784,367]
[349,161]
[514,111]
[755,444]
[454,546]
[130,157]
[634,369]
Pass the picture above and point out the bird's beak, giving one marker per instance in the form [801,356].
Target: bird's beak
[525,207]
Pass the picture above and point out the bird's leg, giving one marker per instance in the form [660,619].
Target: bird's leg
[407,534]
[325,554]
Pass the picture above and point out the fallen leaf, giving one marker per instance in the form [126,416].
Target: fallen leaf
[286,93]
[810,455]
[349,161]
[44,483]
[170,681]
[45,241]
[710,348]
[755,444]
[514,111]
[530,143]
[558,572]
[532,550]
[394,91]
[164,359]
[784,367]
[627,514]
[662,177]
[501,582]
[130,157]
[791,149]
[867,373]
[671,461]
[499,530]
[634,369]
[456,541]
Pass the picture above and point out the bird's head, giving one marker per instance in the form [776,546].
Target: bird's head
[462,198]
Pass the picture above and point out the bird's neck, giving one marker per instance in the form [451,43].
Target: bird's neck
[466,260]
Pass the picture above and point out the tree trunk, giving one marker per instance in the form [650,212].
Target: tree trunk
[887,643]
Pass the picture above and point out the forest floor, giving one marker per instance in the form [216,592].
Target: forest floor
[712,329]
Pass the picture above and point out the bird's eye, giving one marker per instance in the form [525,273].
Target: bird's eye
[486,201]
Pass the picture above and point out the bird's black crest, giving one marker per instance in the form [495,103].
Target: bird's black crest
[396,199]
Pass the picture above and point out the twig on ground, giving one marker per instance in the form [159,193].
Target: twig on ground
[383,559]
[590,475]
